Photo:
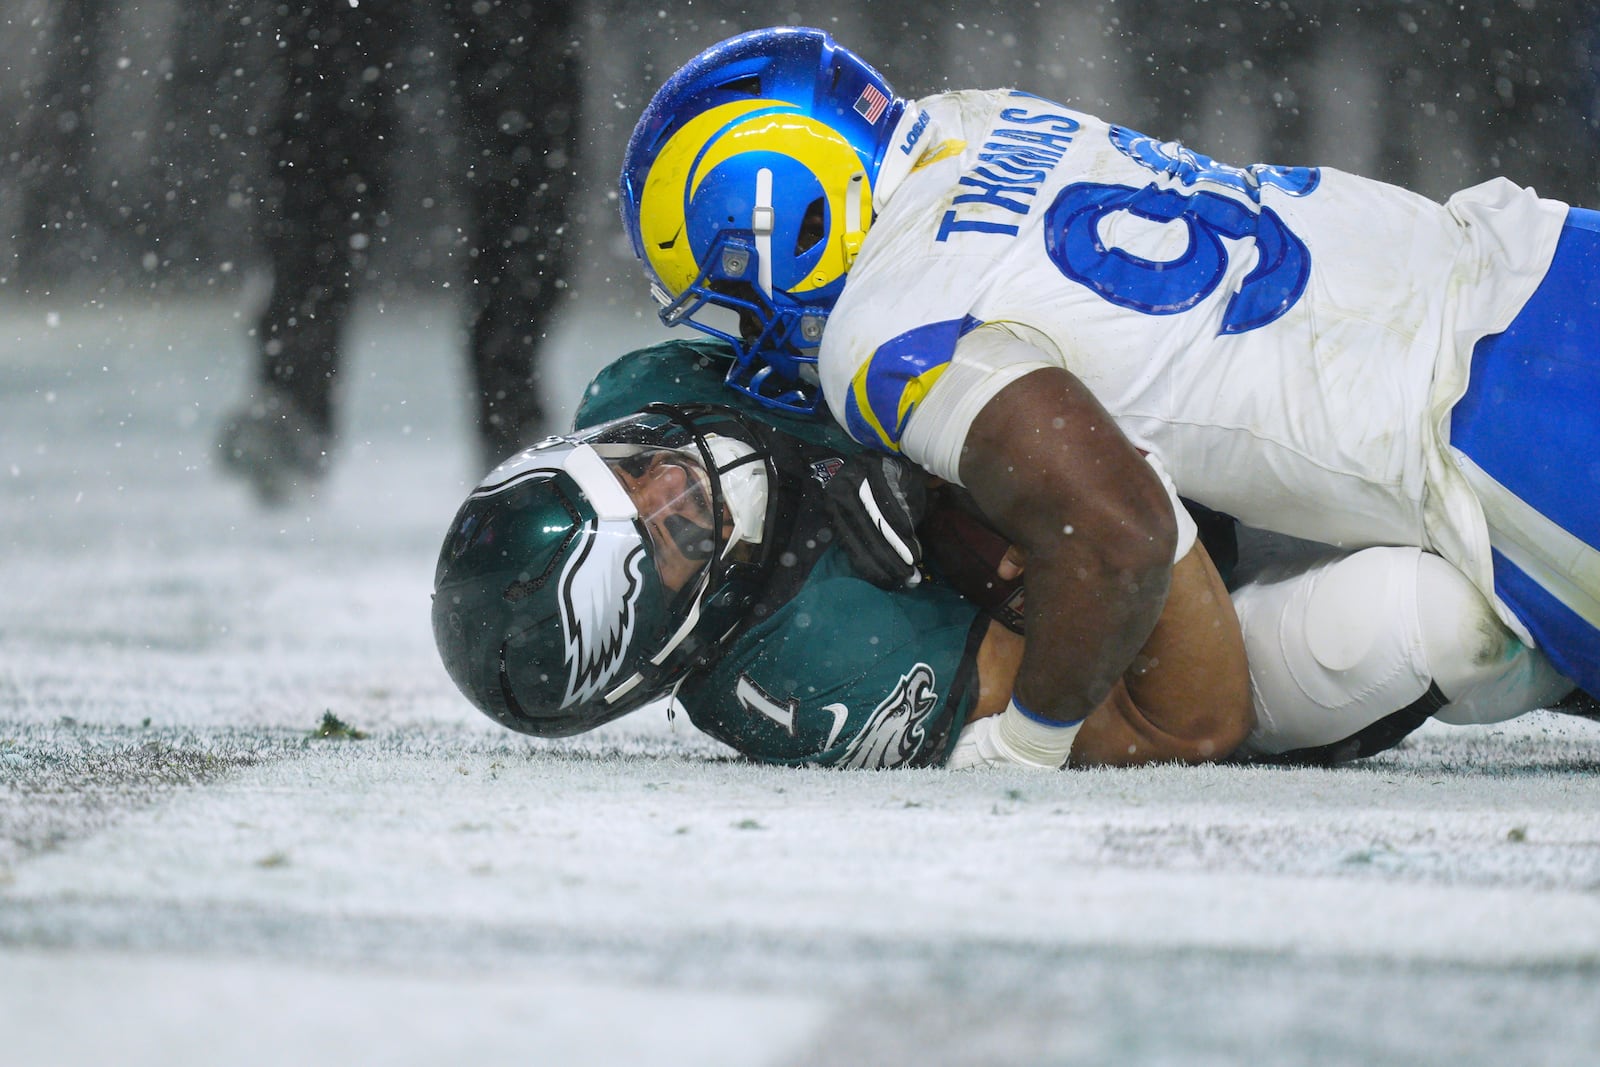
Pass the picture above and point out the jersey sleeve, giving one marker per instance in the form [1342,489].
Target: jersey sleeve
[985,361]
[846,674]
[918,392]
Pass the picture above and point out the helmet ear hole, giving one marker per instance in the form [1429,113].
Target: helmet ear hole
[765,120]
[812,227]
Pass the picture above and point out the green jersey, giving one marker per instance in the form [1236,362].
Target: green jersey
[829,669]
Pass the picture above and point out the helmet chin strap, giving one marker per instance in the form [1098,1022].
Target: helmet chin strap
[744,490]
[854,232]
[761,221]
[691,620]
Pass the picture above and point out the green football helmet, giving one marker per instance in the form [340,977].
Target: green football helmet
[586,576]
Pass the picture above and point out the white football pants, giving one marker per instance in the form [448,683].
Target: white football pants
[1339,643]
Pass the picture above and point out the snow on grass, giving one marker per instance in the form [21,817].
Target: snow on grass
[183,846]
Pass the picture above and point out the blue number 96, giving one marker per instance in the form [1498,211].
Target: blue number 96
[1165,287]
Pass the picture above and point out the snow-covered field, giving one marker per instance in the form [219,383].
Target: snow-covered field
[188,876]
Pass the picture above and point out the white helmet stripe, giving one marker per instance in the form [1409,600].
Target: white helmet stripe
[761,224]
[611,501]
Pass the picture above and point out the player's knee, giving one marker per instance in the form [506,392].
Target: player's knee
[1348,625]
[1332,648]
[1462,639]
[1485,671]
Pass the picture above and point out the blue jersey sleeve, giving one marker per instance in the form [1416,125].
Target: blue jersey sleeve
[886,388]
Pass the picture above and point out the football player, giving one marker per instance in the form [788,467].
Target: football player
[1027,301]
[689,550]
[576,587]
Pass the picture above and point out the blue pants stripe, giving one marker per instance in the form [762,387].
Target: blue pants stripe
[1531,420]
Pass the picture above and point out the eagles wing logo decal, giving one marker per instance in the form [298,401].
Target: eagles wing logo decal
[898,726]
[600,591]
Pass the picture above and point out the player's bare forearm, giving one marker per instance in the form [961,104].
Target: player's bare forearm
[1051,471]
[1187,696]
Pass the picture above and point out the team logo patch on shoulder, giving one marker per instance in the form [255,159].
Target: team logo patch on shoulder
[898,727]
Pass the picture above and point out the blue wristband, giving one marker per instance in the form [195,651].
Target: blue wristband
[1034,716]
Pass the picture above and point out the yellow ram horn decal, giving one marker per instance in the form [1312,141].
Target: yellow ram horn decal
[729,130]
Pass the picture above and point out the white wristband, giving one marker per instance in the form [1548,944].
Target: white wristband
[1032,739]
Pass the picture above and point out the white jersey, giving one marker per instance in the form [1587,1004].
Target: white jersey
[1288,341]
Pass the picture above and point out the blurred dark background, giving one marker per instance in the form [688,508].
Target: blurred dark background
[134,157]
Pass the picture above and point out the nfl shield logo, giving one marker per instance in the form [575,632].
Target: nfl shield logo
[823,470]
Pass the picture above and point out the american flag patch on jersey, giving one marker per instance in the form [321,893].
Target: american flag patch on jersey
[871,102]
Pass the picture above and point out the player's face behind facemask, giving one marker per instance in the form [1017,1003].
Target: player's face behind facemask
[672,493]
[678,475]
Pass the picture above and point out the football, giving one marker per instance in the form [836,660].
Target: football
[961,549]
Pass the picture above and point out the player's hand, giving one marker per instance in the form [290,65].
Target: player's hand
[876,502]
[983,744]
[976,561]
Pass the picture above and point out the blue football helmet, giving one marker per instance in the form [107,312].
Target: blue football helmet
[747,191]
